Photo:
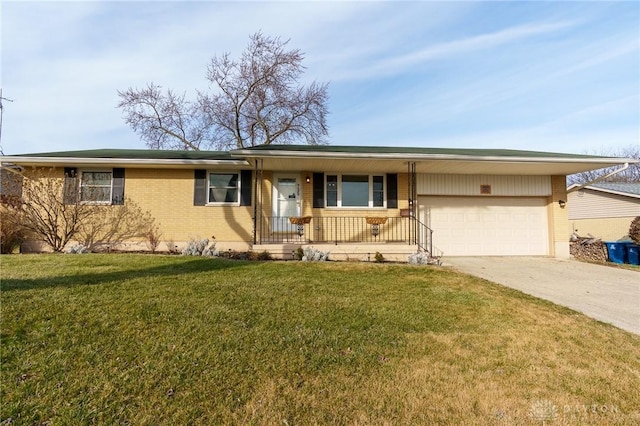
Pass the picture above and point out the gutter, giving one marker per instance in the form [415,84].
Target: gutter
[613,173]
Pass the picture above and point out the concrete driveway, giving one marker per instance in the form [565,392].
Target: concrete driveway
[608,294]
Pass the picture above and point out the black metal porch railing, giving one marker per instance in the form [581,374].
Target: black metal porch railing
[340,229]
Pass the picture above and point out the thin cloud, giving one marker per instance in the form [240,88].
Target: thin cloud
[408,62]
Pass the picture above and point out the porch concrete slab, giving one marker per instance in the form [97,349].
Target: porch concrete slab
[608,294]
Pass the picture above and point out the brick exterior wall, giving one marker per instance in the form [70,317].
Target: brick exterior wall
[558,218]
[168,195]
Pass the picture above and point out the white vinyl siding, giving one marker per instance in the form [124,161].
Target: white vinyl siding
[590,204]
[469,185]
[487,226]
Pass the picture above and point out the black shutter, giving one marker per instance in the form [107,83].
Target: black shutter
[200,188]
[392,191]
[245,187]
[117,193]
[70,189]
[318,190]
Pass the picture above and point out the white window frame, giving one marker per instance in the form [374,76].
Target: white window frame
[370,202]
[81,186]
[238,188]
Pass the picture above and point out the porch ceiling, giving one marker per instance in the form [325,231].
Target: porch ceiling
[439,166]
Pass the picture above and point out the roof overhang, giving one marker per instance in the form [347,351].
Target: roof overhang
[171,163]
[332,159]
[281,160]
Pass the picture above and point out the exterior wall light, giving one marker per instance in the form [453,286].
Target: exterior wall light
[562,203]
[308,179]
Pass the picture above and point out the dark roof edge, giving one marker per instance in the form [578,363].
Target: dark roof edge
[594,187]
[424,154]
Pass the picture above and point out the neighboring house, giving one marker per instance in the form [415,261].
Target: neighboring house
[352,200]
[604,210]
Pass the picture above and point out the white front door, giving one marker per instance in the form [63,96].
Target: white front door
[287,201]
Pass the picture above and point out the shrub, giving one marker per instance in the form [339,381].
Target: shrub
[153,237]
[172,248]
[249,255]
[419,258]
[200,247]
[12,234]
[634,230]
[379,257]
[77,249]
[311,254]
[264,255]
[298,254]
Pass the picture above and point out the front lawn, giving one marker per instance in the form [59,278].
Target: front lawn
[141,339]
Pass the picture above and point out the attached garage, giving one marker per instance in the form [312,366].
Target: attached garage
[488,226]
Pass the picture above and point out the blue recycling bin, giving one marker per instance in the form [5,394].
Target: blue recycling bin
[617,252]
[633,257]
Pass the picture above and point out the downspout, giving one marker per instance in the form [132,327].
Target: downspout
[613,173]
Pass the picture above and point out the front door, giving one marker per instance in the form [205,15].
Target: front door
[287,201]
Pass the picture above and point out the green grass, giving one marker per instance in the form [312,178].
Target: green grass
[141,339]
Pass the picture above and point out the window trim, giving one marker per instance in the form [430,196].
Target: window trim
[238,188]
[339,191]
[81,186]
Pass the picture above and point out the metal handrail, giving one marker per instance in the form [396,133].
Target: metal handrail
[424,236]
[345,229]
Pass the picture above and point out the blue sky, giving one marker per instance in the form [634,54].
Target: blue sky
[545,76]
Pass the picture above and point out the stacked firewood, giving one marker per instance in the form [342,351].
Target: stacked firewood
[634,230]
[588,248]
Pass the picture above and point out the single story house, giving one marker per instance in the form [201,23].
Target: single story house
[352,200]
[604,209]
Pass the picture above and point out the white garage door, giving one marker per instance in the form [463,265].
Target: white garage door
[487,226]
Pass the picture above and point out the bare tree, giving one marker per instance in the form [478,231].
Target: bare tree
[12,233]
[47,211]
[44,213]
[165,120]
[254,100]
[632,174]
